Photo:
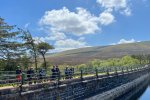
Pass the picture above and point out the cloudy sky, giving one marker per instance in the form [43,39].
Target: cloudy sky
[69,24]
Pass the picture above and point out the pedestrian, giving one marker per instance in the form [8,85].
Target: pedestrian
[71,72]
[57,72]
[53,70]
[41,73]
[30,74]
[66,73]
[18,73]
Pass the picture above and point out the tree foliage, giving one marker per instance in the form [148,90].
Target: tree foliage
[43,48]
[11,44]
[125,61]
[25,61]
[30,45]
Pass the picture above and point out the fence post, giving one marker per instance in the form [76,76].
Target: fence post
[138,68]
[103,70]
[122,70]
[96,70]
[127,70]
[116,71]
[107,72]
[22,82]
[131,69]
[59,76]
[81,74]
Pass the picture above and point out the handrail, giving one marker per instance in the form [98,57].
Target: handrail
[59,78]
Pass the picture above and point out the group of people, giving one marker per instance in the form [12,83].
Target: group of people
[69,73]
[55,73]
[30,74]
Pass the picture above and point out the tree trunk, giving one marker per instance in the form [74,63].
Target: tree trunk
[35,56]
[35,59]
[44,61]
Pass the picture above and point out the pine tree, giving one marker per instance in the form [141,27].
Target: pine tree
[11,44]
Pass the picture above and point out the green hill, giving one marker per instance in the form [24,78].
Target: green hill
[83,55]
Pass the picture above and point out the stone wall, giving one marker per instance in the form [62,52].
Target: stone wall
[118,92]
[79,89]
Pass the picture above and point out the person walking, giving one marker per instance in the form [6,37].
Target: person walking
[71,72]
[18,73]
[41,73]
[66,73]
[53,70]
[30,74]
[57,72]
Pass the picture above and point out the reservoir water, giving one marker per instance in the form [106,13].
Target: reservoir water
[141,92]
[146,94]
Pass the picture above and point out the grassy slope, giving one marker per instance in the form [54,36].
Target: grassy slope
[83,55]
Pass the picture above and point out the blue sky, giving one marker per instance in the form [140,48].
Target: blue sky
[69,24]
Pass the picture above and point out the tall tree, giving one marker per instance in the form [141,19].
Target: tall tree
[43,48]
[29,42]
[11,44]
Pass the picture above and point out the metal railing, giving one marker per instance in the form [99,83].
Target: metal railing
[8,78]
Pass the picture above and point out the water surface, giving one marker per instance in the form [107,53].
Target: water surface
[146,94]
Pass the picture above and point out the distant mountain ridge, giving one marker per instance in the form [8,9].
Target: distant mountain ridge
[83,55]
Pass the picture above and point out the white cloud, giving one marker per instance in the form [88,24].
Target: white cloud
[26,25]
[63,44]
[106,18]
[113,44]
[124,41]
[59,23]
[78,23]
[126,12]
[38,40]
[56,36]
[116,5]
[81,39]
[68,44]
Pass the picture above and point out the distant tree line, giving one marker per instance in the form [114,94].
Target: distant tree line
[125,61]
[143,58]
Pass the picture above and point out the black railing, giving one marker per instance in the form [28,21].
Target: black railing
[26,83]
